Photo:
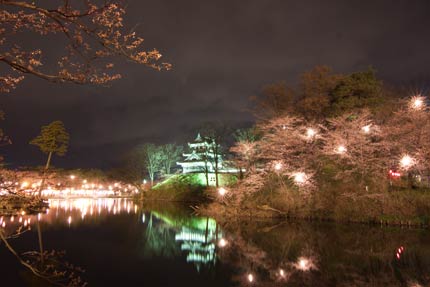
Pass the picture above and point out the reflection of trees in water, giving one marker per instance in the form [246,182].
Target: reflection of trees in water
[47,265]
[170,236]
[159,239]
[326,255]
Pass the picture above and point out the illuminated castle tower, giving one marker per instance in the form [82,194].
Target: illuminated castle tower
[201,157]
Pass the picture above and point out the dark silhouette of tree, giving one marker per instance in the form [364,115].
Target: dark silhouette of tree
[170,154]
[215,135]
[322,94]
[53,139]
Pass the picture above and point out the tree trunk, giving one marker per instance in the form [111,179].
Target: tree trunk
[216,172]
[206,171]
[48,162]
[42,183]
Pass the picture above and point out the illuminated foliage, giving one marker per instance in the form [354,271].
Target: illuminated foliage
[91,33]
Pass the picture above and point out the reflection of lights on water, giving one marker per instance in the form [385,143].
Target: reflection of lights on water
[222,242]
[399,252]
[68,208]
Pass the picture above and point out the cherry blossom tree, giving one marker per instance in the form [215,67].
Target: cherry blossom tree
[408,131]
[91,33]
[356,143]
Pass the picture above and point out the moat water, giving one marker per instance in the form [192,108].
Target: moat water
[119,243]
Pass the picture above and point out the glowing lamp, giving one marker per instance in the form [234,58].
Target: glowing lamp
[282,272]
[304,264]
[406,161]
[417,102]
[366,129]
[310,133]
[222,191]
[222,242]
[299,177]
[250,278]
[341,149]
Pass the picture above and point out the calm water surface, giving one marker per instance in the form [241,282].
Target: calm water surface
[119,243]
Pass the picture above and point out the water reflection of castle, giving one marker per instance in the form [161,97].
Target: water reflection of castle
[199,245]
[197,239]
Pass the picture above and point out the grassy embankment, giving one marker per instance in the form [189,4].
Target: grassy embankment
[184,188]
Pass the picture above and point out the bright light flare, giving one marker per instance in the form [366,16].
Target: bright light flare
[310,133]
[278,166]
[281,272]
[341,149]
[222,242]
[304,264]
[366,129]
[250,278]
[222,191]
[417,102]
[300,178]
[72,177]
[406,161]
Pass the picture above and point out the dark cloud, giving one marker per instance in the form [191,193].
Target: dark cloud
[222,52]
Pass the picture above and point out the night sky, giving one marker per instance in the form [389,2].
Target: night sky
[223,52]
